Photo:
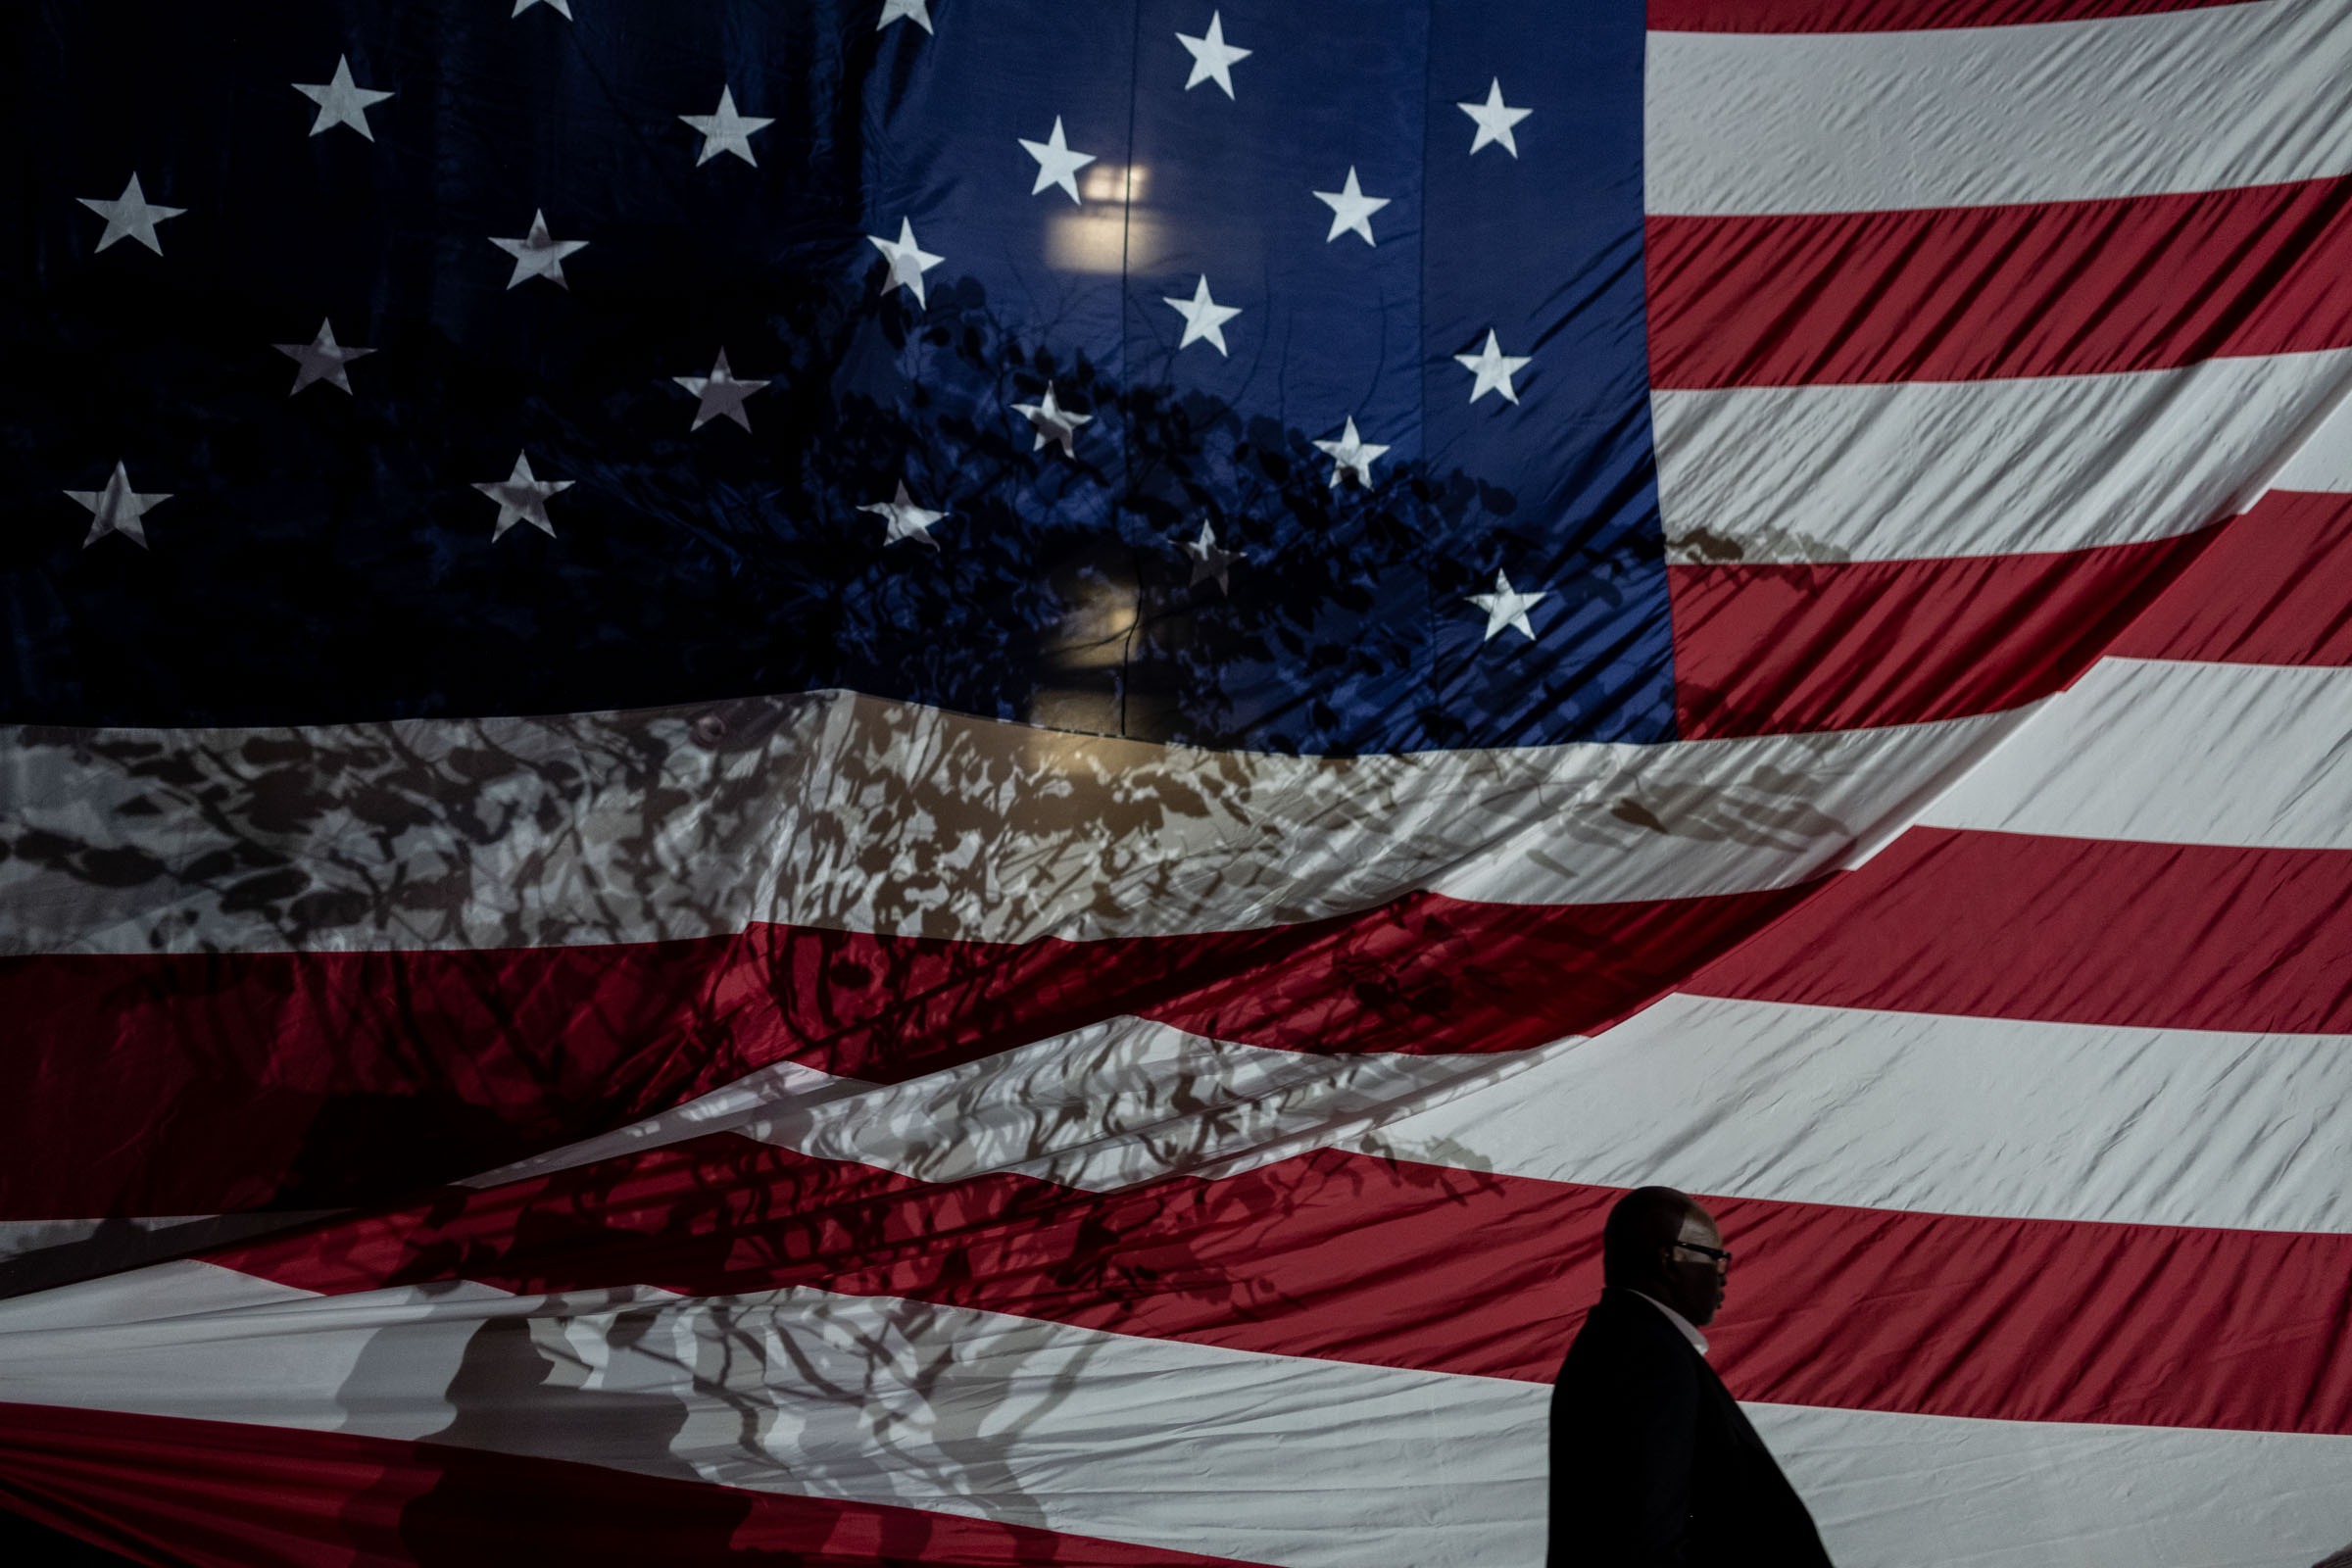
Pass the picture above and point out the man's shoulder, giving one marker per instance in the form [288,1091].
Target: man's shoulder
[1624,1315]
[1625,1336]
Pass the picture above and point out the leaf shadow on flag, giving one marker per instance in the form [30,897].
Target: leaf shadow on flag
[786,1390]
[500,1402]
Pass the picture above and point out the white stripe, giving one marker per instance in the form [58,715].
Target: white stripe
[183,1290]
[1117,1103]
[764,1092]
[1906,1112]
[855,813]
[1923,1112]
[1123,1102]
[195,1340]
[2204,99]
[2323,461]
[1265,1458]
[1914,470]
[21,1235]
[2255,755]
[1905,1490]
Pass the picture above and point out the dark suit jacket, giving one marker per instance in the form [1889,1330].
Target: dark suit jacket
[1652,1464]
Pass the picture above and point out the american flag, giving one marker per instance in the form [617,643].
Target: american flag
[1199,670]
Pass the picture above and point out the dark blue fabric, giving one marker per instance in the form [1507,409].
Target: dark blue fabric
[326,557]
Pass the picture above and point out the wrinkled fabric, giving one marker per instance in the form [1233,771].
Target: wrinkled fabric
[1048,1042]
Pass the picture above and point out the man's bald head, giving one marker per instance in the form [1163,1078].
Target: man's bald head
[1645,1223]
[1663,1244]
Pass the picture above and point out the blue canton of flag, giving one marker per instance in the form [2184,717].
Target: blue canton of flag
[1241,375]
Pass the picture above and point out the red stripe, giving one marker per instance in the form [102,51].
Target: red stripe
[225,1495]
[1357,1258]
[2275,588]
[1892,16]
[232,1082]
[2175,936]
[1978,293]
[1764,649]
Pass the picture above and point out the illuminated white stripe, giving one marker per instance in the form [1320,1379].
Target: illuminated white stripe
[1872,1109]
[1898,1491]
[1117,1103]
[2202,99]
[1122,1102]
[2256,756]
[21,1235]
[1923,1112]
[855,813]
[2323,461]
[1914,470]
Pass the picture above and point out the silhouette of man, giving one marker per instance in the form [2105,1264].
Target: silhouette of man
[1652,1464]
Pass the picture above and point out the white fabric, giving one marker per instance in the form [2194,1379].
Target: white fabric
[1929,469]
[1124,1100]
[2200,99]
[19,1236]
[2128,752]
[1142,1440]
[856,813]
[1923,1112]
[2323,461]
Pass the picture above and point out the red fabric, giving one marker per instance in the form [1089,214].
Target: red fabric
[1357,1258]
[219,1495]
[1778,649]
[2275,588]
[2093,931]
[1978,293]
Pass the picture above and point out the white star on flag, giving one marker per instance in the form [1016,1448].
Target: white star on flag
[1494,369]
[118,508]
[521,496]
[342,101]
[917,12]
[904,519]
[720,394]
[1057,165]
[321,359]
[131,214]
[908,262]
[1213,58]
[726,131]
[1505,607]
[561,8]
[1203,318]
[1350,209]
[539,254]
[1351,454]
[1209,560]
[1495,120]
[1053,422]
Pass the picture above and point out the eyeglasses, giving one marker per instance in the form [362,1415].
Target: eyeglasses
[1721,1254]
